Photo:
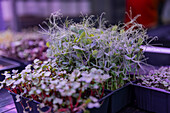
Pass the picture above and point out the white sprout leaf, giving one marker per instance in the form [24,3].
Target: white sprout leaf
[128,58]
[78,48]
[38,91]
[93,99]
[36,61]
[165,83]
[25,111]
[17,98]
[9,82]
[57,100]
[1,86]
[169,88]
[47,74]
[14,71]
[41,105]
[93,105]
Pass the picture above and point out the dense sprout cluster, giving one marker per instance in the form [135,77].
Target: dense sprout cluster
[84,59]
[25,46]
[115,49]
[157,78]
[57,88]
[27,49]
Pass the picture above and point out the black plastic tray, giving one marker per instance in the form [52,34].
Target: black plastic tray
[121,98]
[105,104]
[113,102]
[33,104]
[152,99]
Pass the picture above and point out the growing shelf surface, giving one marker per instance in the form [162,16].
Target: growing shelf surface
[6,102]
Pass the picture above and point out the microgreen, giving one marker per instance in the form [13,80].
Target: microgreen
[159,78]
[115,49]
[58,89]
[26,49]
[84,59]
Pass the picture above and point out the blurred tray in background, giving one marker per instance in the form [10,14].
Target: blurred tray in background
[7,65]
[163,34]
[157,56]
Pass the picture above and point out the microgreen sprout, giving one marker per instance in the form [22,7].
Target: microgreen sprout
[159,78]
[58,89]
[84,59]
[115,49]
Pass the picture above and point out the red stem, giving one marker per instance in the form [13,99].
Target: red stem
[20,89]
[9,89]
[33,97]
[102,92]
[62,109]
[15,90]
[71,103]
[78,98]
[91,93]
